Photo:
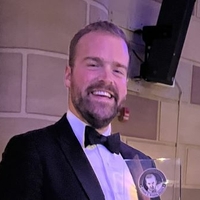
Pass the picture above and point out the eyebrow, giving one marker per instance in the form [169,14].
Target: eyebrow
[99,60]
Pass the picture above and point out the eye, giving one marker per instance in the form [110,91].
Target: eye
[120,71]
[92,64]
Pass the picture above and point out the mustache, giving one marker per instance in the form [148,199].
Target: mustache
[102,85]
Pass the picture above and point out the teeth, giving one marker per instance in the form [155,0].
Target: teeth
[102,93]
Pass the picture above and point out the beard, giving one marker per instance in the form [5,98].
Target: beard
[97,114]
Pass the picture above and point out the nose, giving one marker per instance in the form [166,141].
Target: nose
[106,74]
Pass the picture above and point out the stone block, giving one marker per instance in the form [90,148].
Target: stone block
[192,44]
[10,82]
[97,14]
[184,79]
[168,121]
[46,93]
[143,118]
[193,161]
[195,92]
[153,149]
[105,3]
[46,25]
[189,125]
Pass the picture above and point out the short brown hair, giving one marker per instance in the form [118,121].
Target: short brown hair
[104,26]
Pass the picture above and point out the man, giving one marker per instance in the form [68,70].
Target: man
[59,162]
[152,185]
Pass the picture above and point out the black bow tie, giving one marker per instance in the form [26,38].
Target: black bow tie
[111,142]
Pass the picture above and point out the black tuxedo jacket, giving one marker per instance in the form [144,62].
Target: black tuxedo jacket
[49,164]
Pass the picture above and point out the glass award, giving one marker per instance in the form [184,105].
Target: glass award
[156,179]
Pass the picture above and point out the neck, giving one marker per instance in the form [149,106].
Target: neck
[101,130]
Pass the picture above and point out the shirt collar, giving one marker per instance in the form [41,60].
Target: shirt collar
[78,127]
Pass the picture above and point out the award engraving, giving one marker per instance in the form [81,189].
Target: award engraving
[152,183]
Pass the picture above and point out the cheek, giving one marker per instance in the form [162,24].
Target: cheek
[83,76]
[80,83]
[78,77]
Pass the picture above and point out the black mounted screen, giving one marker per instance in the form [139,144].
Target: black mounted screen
[164,52]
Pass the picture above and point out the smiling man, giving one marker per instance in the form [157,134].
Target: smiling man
[98,78]
[78,158]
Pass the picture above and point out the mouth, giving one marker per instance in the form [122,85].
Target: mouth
[102,93]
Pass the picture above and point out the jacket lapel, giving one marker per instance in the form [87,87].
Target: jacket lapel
[78,160]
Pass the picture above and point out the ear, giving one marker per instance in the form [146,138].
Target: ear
[68,76]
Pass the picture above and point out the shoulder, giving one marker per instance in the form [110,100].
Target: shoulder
[129,152]
[40,134]
[24,144]
[33,139]
[30,136]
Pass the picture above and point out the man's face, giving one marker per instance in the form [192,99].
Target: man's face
[151,183]
[98,80]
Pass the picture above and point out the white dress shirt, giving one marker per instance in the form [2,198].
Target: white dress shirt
[110,168]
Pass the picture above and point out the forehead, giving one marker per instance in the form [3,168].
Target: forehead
[104,45]
[150,179]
